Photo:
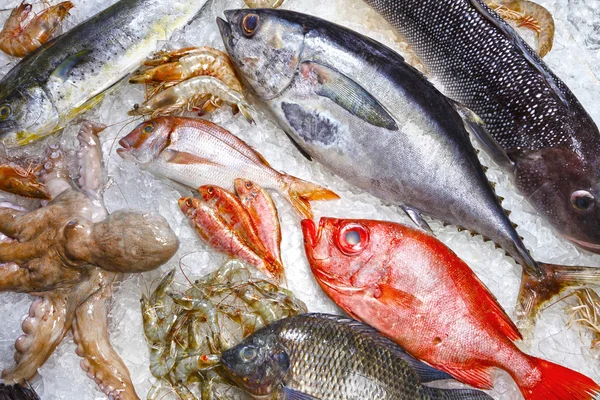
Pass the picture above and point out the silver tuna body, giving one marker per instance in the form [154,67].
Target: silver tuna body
[356,107]
[68,75]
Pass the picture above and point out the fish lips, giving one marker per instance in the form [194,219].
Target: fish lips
[226,31]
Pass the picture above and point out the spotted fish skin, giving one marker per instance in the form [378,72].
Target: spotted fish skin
[551,142]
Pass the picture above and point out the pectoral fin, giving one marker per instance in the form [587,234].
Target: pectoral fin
[347,94]
[391,296]
[64,68]
[291,394]
[180,157]
[475,126]
[417,219]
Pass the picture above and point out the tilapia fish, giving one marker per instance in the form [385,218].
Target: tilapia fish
[417,292]
[196,152]
[356,107]
[69,74]
[538,130]
[329,357]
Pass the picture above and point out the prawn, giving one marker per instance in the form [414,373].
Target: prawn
[19,41]
[22,181]
[587,312]
[263,3]
[530,15]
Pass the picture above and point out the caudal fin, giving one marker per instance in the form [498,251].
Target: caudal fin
[456,394]
[552,381]
[300,193]
[537,291]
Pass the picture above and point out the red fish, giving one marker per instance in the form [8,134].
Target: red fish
[416,291]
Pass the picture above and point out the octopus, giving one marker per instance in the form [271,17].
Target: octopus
[69,254]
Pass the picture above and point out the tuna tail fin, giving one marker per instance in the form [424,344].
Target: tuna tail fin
[536,291]
[455,394]
[300,192]
[556,382]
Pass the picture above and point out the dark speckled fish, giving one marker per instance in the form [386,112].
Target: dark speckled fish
[355,106]
[329,357]
[543,136]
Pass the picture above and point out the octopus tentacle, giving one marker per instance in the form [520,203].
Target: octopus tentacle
[90,157]
[10,221]
[49,320]
[14,278]
[100,360]
[21,252]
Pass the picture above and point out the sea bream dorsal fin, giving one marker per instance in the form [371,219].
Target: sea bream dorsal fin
[531,57]
[348,94]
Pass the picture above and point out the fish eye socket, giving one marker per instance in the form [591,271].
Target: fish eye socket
[352,239]
[148,128]
[583,200]
[250,23]
[248,353]
[4,112]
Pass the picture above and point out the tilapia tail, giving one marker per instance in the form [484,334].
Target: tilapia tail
[300,193]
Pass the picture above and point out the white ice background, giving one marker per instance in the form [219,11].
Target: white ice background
[575,59]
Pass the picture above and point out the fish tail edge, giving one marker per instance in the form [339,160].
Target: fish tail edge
[300,192]
[556,382]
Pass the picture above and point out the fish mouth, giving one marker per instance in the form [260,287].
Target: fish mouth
[592,247]
[225,30]
[309,230]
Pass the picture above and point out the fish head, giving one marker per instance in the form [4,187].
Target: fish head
[27,115]
[348,254]
[568,197]
[210,192]
[258,364]
[189,205]
[145,143]
[265,47]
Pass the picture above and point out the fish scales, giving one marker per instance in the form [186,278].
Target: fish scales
[550,144]
[337,358]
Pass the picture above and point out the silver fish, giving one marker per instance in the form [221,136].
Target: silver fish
[70,74]
[355,106]
[196,152]
[329,357]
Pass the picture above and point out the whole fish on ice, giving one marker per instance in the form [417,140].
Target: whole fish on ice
[417,292]
[356,107]
[196,152]
[540,133]
[329,357]
[70,74]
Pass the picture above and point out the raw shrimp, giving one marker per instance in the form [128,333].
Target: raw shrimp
[587,312]
[19,41]
[22,181]
[217,312]
[202,92]
[528,14]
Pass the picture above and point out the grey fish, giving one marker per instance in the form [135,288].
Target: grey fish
[320,356]
[356,107]
[70,74]
[539,131]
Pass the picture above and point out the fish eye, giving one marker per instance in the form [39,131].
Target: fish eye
[250,23]
[248,185]
[210,190]
[189,202]
[148,128]
[352,239]
[583,200]
[4,112]
[248,353]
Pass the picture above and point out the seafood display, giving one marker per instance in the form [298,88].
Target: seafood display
[187,332]
[537,130]
[183,183]
[195,152]
[390,275]
[18,41]
[236,229]
[69,254]
[22,181]
[529,15]
[320,356]
[188,79]
[42,94]
[381,140]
